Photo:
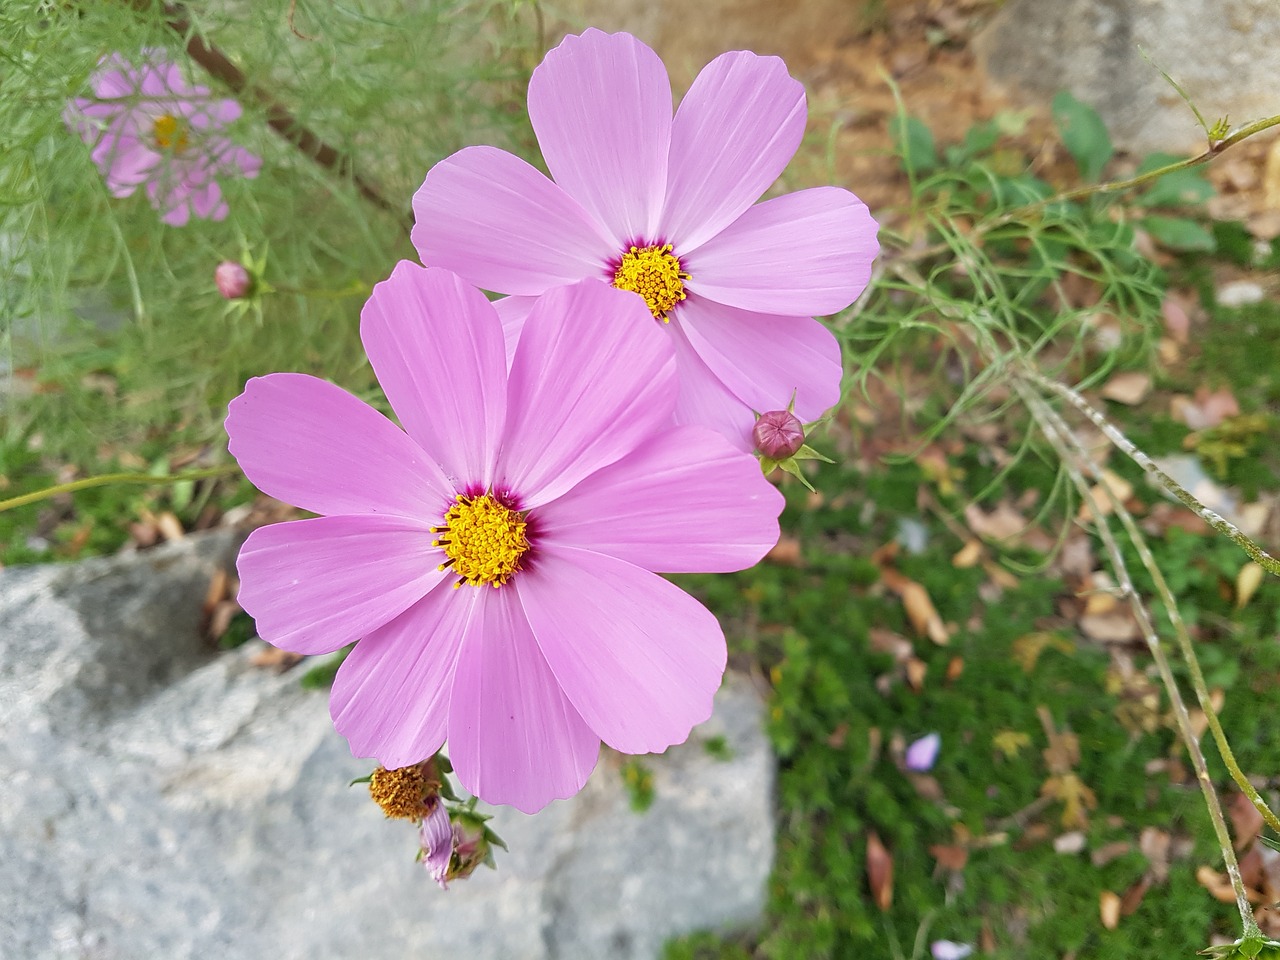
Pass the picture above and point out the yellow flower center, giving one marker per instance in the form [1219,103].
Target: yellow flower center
[403,793]
[654,273]
[169,132]
[483,539]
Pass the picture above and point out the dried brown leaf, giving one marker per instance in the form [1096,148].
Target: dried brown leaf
[1108,852]
[1216,883]
[968,555]
[1246,821]
[1118,627]
[170,526]
[1132,898]
[950,857]
[275,658]
[1128,387]
[786,552]
[879,872]
[1248,580]
[916,670]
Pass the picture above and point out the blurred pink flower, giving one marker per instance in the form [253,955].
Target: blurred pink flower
[435,835]
[147,126]
[494,558]
[666,207]
[923,753]
[949,950]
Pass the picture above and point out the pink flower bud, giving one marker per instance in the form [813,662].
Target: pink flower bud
[233,280]
[778,434]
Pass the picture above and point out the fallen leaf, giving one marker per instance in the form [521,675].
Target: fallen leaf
[785,552]
[1002,523]
[170,526]
[1129,387]
[950,857]
[916,672]
[879,872]
[1216,883]
[1248,580]
[968,555]
[955,667]
[273,657]
[1177,322]
[1132,898]
[897,646]
[919,608]
[1108,852]
[1109,909]
[1010,742]
[1271,178]
[1069,843]
[1110,628]
[1206,409]
[1154,844]
[1246,821]
[217,591]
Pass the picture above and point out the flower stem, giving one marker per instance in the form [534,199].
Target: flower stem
[1175,620]
[1112,433]
[106,479]
[1071,453]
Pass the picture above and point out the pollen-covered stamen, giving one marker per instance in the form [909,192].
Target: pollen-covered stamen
[483,539]
[653,272]
[406,793]
[169,133]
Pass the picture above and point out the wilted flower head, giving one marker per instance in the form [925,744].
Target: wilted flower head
[147,126]
[923,753]
[496,558]
[665,207]
[233,280]
[778,434]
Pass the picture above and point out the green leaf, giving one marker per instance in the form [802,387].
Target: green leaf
[1180,234]
[913,142]
[1084,135]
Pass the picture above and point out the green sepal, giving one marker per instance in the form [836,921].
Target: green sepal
[367,778]
[807,452]
[1253,947]
[790,466]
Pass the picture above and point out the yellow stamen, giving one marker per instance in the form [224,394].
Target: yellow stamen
[170,133]
[403,793]
[484,540]
[654,273]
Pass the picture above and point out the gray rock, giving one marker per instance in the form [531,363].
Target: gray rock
[161,799]
[1224,53]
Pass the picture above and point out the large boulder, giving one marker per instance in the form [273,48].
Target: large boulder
[159,798]
[1224,53]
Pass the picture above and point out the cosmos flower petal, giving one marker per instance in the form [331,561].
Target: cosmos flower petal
[495,220]
[639,658]
[391,695]
[803,254]
[512,311]
[734,133]
[312,444]
[436,346]
[802,356]
[600,105]
[567,419]
[704,399]
[683,501]
[513,735]
[923,753]
[315,585]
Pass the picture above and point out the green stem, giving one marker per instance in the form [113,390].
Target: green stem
[1061,444]
[1112,433]
[105,479]
[1179,628]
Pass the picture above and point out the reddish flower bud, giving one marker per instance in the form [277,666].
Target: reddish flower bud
[233,280]
[778,434]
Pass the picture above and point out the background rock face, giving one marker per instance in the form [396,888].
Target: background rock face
[161,799]
[1224,53]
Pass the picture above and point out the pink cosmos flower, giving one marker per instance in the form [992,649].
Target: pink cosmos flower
[147,126]
[666,207]
[493,558]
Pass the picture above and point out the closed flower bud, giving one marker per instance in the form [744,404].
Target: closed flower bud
[233,280]
[778,434]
